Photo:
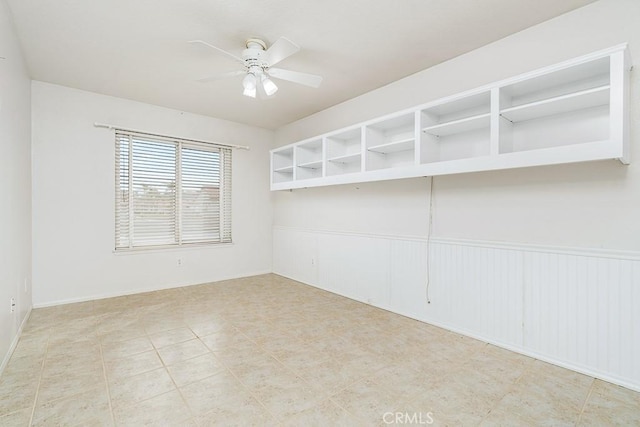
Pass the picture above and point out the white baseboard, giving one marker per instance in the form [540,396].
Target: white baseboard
[14,343]
[141,290]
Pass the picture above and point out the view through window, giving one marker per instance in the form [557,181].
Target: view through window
[171,192]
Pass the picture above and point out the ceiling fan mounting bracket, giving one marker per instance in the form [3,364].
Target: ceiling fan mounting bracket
[255,43]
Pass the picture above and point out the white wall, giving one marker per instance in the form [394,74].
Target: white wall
[73,199]
[335,237]
[586,205]
[15,184]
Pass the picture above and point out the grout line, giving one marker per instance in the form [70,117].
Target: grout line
[106,380]
[586,400]
[44,361]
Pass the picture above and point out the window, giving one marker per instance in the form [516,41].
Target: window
[171,192]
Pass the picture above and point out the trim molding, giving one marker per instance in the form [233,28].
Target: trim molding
[14,343]
[529,247]
[143,290]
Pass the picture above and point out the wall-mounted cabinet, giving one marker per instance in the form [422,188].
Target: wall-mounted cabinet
[570,112]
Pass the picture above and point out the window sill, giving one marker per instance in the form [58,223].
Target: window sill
[199,247]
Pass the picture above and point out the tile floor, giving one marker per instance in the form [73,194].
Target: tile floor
[270,351]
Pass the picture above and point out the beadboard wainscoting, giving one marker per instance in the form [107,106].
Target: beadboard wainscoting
[577,308]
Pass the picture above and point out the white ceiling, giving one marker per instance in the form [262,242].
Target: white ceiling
[137,49]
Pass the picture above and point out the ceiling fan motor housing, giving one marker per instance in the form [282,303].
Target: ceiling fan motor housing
[253,56]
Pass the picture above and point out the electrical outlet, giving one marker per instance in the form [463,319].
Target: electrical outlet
[313,261]
[13,304]
[179,262]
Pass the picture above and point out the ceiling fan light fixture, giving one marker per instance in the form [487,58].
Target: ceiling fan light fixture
[249,83]
[251,92]
[269,86]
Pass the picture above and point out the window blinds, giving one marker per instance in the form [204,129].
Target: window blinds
[171,192]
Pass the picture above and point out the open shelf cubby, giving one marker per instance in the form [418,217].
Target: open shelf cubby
[457,129]
[282,165]
[309,162]
[574,111]
[391,142]
[566,107]
[344,152]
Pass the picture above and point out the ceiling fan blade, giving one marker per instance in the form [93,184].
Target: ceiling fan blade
[310,80]
[229,54]
[221,76]
[281,49]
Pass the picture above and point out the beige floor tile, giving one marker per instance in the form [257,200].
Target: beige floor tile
[267,350]
[89,408]
[192,370]
[174,336]
[202,396]
[117,349]
[26,368]
[61,364]
[223,340]
[403,381]
[233,358]
[183,351]
[16,394]
[534,406]
[163,325]
[167,409]
[125,367]
[609,404]
[605,390]
[32,346]
[69,384]
[330,376]
[209,327]
[367,401]
[127,391]
[285,399]
[16,419]
[300,358]
[325,413]
[235,408]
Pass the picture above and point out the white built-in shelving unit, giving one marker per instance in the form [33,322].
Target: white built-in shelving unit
[574,111]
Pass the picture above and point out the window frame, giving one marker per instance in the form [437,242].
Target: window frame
[224,177]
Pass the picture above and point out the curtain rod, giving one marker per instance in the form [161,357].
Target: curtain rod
[107,126]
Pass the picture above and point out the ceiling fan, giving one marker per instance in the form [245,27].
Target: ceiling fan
[258,62]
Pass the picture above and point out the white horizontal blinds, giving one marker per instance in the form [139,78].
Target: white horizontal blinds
[225,221]
[122,191]
[154,192]
[171,191]
[200,197]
